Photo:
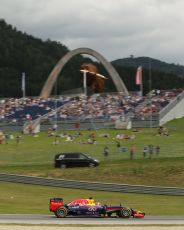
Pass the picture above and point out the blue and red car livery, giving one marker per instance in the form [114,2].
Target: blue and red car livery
[88,207]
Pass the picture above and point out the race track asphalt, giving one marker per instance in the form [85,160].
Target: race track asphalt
[51,219]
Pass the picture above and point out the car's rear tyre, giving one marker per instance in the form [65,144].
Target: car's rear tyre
[61,212]
[124,212]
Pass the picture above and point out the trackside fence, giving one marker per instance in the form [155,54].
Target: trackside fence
[110,187]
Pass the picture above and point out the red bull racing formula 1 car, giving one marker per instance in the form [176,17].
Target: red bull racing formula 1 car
[88,207]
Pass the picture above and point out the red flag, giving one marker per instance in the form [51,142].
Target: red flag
[138,77]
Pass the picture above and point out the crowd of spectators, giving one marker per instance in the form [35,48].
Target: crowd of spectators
[18,111]
[156,102]
[97,107]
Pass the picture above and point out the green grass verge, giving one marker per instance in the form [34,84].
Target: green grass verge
[35,156]
[34,199]
[158,172]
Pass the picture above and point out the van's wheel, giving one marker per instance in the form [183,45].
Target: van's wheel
[91,165]
[62,166]
[61,212]
[124,212]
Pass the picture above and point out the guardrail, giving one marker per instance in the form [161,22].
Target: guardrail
[110,187]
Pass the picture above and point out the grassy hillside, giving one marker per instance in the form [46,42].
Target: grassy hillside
[21,52]
[34,156]
[156,65]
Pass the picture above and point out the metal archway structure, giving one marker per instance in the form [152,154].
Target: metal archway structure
[47,88]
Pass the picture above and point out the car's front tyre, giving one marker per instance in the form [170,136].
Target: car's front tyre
[125,213]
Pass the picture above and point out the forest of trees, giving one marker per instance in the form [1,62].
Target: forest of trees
[20,53]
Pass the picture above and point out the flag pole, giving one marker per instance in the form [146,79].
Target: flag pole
[141,85]
[84,80]
[150,93]
[23,85]
[84,83]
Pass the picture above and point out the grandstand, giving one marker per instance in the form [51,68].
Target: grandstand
[159,108]
[98,110]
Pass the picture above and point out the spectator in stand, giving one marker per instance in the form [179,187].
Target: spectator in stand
[106,151]
[7,137]
[1,137]
[151,151]
[132,151]
[162,131]
[18,139]
[118,145]
[157,150]
[145,150]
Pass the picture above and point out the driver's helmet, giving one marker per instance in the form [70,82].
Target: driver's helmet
[91,201]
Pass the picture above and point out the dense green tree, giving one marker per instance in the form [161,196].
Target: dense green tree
[24,53]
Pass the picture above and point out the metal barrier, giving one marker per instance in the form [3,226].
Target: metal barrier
[110,187]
